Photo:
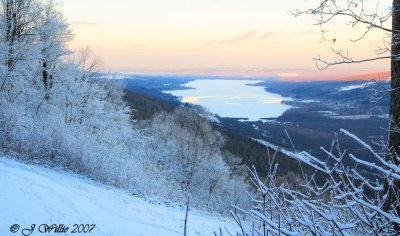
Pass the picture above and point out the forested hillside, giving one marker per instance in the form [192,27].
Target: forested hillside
[52,112]
[248,152]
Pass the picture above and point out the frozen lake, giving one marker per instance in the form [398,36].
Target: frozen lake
[233,98]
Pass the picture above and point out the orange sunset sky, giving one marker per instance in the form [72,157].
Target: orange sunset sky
[244,36]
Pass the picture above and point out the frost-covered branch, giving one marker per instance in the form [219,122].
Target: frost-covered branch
[343,59]
[347,203]
[373,15]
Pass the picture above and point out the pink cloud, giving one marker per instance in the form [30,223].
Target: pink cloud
[246,36]
[266,35]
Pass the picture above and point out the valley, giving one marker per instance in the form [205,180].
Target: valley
[312,113]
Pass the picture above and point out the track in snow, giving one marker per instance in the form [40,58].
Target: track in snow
[37,195]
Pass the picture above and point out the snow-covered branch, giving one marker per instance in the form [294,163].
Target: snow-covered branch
[347,203]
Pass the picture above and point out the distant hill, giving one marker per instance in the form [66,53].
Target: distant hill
[383,76]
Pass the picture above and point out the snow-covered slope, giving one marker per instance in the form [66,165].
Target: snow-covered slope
[35,195]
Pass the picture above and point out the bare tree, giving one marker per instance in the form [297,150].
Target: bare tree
[370,16]
[346,203]
[363,16]
[89,61]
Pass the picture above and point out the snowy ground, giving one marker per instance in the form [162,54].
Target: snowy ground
[36,195]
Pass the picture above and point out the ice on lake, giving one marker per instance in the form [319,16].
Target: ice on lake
[233,98]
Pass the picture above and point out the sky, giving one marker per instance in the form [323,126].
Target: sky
[208,35]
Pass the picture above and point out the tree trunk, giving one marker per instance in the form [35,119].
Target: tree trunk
[394,137]
[394,113]
[45,76]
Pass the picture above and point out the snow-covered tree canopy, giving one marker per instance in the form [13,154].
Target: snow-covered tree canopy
[51,111]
